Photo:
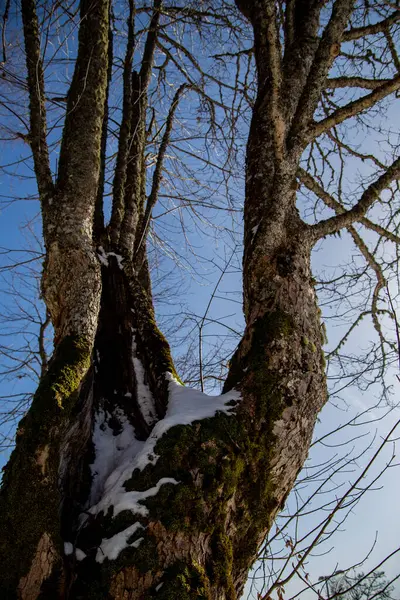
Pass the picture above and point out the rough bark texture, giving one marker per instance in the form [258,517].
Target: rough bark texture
[220,481]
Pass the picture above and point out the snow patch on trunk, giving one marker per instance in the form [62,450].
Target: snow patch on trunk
[68,548]
[123,500]
[110,450]
[110,548]
[144,395]
[80,554]
[185,406]
[103,257]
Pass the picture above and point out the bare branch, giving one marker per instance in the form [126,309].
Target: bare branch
[359,32]
[117,212]
[330,201]
[38,125]
[3,29]
[316,81]
[355,82]
[370,195]
[157,176]
[79,165]
[134,191]
[354,108]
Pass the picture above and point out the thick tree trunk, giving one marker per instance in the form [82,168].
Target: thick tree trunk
[216,485]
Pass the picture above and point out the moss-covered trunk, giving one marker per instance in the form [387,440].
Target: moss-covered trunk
[206,492]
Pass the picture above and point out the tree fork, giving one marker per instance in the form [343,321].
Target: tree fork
[224,477]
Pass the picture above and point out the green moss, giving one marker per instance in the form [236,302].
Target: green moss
[272,326]
[324,335]
[29,497]
[57,389]
[73,360]
[186,582]
[145,556]
[221,566]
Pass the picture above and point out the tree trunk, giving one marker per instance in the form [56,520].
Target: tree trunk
[219,482]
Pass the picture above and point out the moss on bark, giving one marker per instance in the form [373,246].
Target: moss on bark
[30,496]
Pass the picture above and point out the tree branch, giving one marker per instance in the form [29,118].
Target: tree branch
[134,196]
[358,32]
[311,184]
[80,153]
[3,29]
[148,54]
[354,108]
[117,212]
[380,281]
[392,49]
[355,82]
[37,107]
[316,81]
[98,219]
[358,211]
[157,176]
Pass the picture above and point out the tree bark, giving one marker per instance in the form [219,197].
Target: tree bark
[232,472]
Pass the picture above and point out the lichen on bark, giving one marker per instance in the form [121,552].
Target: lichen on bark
[30,496]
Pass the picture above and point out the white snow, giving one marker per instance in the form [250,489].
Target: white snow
[117,456]
[185,406]
[68,548]
[110,450]
[80,554]
[103,257]
[144,395]
[111,547]
[122,500]
[118,257]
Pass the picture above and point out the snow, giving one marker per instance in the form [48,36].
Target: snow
[117,456]
[111,547]
[80,554]
[144,395]
[123,500]
[68,548]
[103,257]
[110,449]
[185,406]
[118,257]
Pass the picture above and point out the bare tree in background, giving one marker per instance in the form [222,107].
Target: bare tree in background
[196,483]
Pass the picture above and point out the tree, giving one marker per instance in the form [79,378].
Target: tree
[197,480]
[358,586]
